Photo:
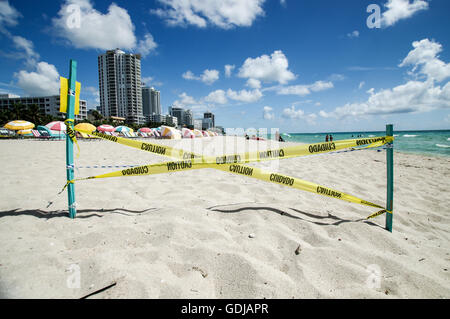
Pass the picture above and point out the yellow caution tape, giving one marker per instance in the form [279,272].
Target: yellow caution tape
[248,157]
[239,169]
[71,133]
[191,161]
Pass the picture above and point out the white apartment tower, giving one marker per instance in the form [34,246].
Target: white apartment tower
[151,101]
[119,76]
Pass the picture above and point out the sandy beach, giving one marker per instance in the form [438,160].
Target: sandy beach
[211,234]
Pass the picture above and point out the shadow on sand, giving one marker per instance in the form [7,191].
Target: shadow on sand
[317,219]
[82,213]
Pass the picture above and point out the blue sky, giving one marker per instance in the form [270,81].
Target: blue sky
[301,66]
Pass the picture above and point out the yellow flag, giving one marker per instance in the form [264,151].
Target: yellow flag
[63,94]
[77,97]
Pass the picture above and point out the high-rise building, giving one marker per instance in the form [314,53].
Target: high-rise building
[184,117]
[209,115]
[177,112]
[188,118]
[119,75]
[151,103]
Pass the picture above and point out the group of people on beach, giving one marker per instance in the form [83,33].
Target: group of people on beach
[329,138]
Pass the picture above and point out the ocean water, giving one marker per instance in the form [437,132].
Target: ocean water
[436,143]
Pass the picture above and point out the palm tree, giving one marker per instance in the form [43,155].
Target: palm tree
[17,111]
[97,115]
[33,114]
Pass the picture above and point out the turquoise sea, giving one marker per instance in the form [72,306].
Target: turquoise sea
[436,143]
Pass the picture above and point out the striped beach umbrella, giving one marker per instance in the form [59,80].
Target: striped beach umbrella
[156,132]
[57,126]
[105,128]
[19,125]
[123,129]
[145,130]
[25,132]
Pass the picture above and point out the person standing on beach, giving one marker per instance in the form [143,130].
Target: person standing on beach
[331,138]
[326,138]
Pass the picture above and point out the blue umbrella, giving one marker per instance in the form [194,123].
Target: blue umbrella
[123,129]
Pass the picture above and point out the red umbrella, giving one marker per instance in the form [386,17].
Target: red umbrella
[57,126]
[145,130]
[105,128]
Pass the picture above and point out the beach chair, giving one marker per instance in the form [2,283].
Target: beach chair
[36,134]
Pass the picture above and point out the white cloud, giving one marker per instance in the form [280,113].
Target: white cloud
[414,95]
[185,100]
[207,77]
[93,95]
[223,14]
[27,47]
[293,114]
[303,90]
[217,97]
[266,68]
[147,45]
[354,34]
[361,84]
[9,16]
[96,30]
[267,113]
[210,76]
[425,57]
[44,81]
[188,75]
[228,69]
[245,95]
[401,9]
[254,84]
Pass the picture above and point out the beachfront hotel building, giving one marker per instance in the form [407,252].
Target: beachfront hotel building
[184,117]
[151,101]
[120,86]
[48,105]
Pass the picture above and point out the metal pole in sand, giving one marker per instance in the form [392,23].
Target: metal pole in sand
[69,143]
[390,178]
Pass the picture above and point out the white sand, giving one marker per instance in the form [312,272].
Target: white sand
[187,234]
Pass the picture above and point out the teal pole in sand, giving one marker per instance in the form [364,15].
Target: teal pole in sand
[69,143]
[390,178]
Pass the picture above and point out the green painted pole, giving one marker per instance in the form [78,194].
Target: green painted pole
[69,143]
[390,178]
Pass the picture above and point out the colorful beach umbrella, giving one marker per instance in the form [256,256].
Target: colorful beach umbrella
[105,128]
[19,125]
[57,126]
[85,127]
[187,133]
[197,133]
[170,132]
[123,129]
[145,130]
[156,132]
[25,132]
